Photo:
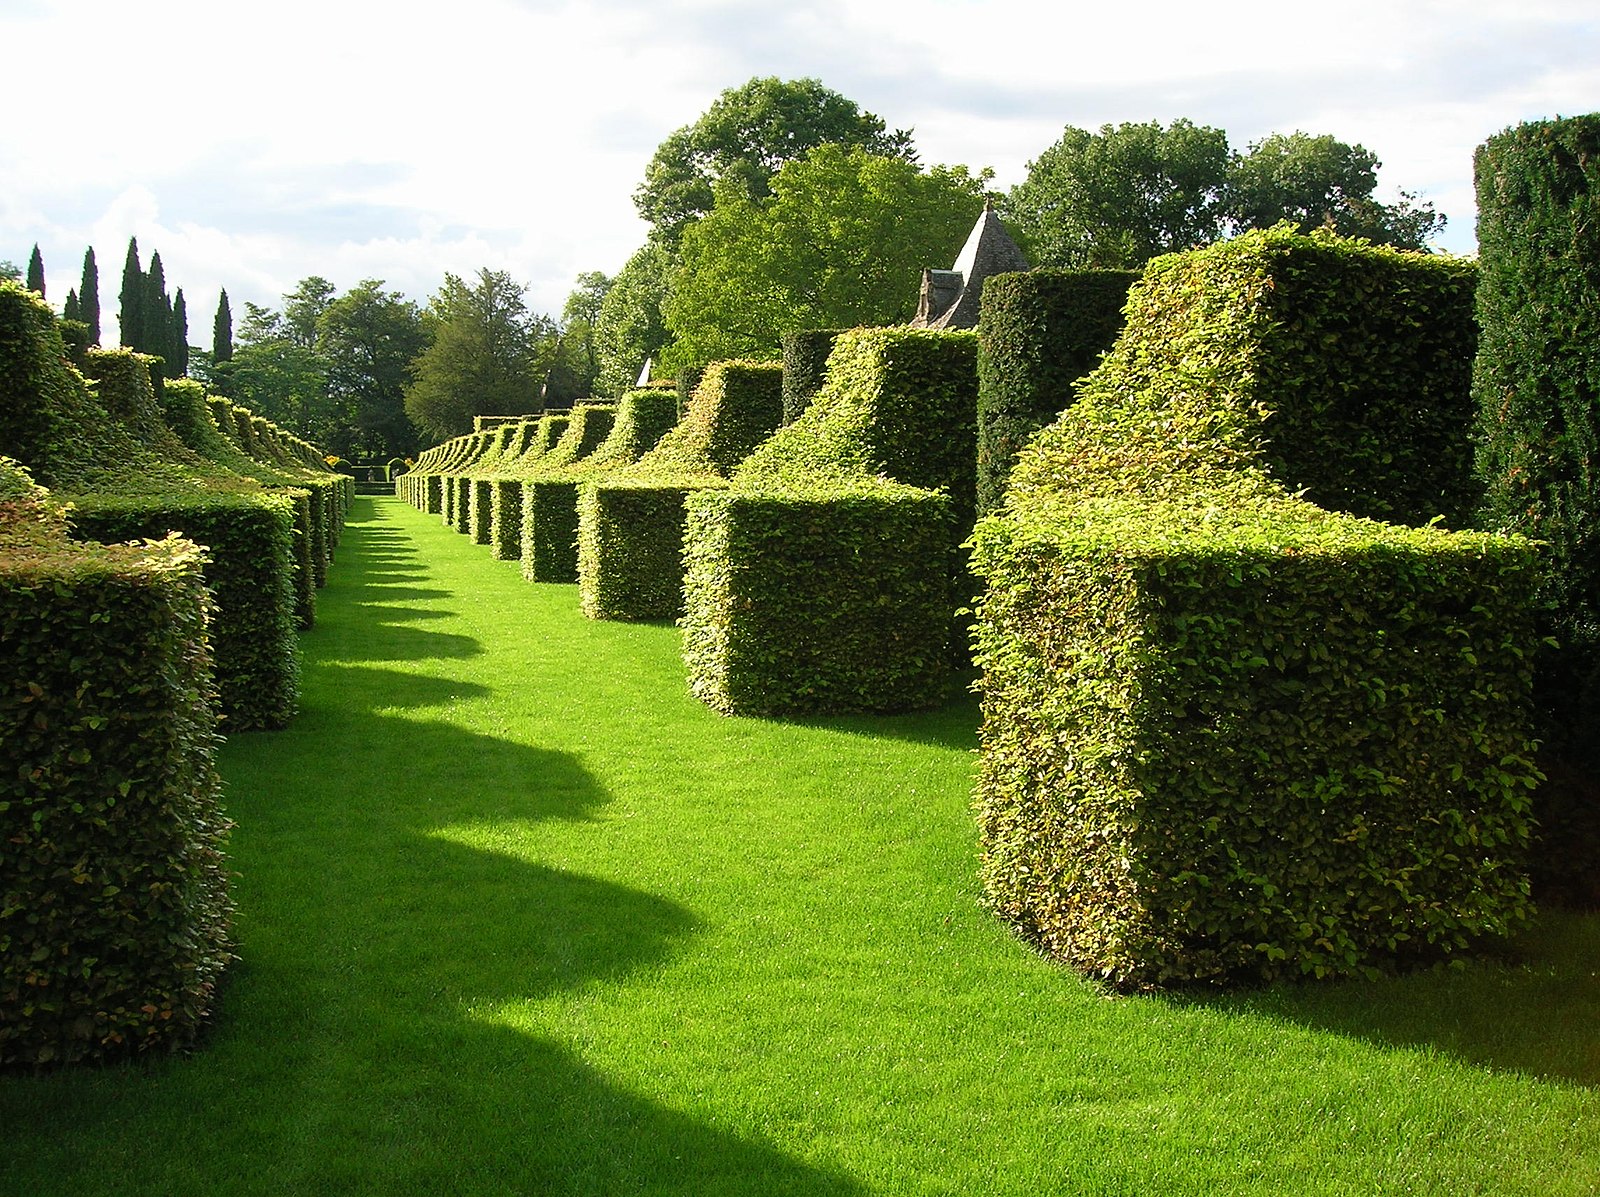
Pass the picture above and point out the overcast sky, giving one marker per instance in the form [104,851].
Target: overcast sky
[256,144]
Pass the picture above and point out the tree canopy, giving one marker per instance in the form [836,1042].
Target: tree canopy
[840,241]
[1116,198]
[488,355]
[628,327]
[745,137]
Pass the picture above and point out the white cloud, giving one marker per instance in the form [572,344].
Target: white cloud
[356,138]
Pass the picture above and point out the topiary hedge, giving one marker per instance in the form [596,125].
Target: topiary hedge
[1229,734]
[550,498]
[1039,332]
[899,404]
[128,476]
[817,602]
[630,543]
[114,906]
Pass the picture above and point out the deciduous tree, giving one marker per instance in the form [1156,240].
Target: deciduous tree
[841,240]
[488,355]
[746,135]
[369,338]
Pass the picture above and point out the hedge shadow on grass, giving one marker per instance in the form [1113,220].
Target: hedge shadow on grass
[1531,1010]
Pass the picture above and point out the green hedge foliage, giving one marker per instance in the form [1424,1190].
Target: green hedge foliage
[823,602]
[630,544]
[899,404]
[1229,734]
[1039,332]
[630,548]
[1537,386]
[550,497]
[126,476]
[805,367]
[114,905]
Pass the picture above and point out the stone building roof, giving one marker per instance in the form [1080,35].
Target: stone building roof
[949,298]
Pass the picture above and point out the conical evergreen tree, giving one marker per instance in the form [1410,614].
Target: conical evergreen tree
[131,313]
[36,272]
[222,331]
[89,296]
[178,338]
[157,325]
[70,310]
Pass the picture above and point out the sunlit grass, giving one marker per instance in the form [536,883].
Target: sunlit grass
[519,915]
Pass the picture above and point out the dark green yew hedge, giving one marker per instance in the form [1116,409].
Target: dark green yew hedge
[114,905]
[1537,385]
[1039,332]
[1229,734]
[823,602]
[805,367]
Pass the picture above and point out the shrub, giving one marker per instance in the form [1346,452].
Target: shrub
[1537,385]
[550,498]
[1039,332]
[899,404]
[1227,733]
[799,603]
[114,906]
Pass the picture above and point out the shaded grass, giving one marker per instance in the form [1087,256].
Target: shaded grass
[518,915]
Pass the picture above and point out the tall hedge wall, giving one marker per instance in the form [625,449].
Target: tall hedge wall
[550,497]
[1227,733]
[114,905]
[805,367]
[1039,332]
[1537,385]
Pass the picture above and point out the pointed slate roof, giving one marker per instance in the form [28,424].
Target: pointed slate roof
[949,298]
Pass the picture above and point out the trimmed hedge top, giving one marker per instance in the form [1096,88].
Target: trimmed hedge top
[899,403]
[736,405]
[1336,367]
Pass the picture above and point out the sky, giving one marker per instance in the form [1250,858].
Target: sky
[255,145]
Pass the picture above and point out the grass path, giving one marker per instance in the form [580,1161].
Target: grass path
[519,916]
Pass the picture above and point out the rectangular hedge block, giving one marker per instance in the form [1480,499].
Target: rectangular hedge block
[480,518]
[630,549]
[550,530]
[114,905]
[830,601]
[1253,749]
[505,519]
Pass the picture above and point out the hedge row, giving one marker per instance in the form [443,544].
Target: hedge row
[114,908]
[1228,733]
[126,474]
[805,367]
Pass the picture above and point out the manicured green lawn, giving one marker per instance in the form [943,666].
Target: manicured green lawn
[518,915]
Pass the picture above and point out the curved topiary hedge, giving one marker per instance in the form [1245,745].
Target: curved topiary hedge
[1228,733]
[805,367]
[630,523]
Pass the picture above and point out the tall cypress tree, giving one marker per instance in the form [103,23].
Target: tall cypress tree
[71,310]
[157,324]
[89,296]
[131,313]
[36,272]
[222,331]
[178,339]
